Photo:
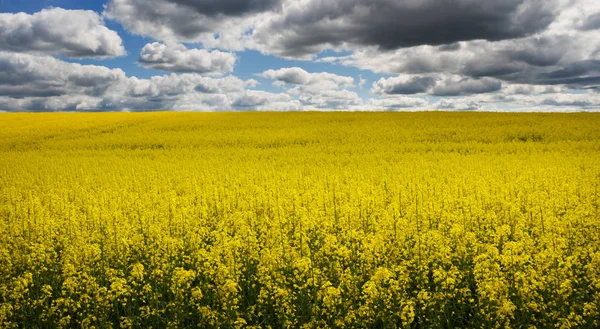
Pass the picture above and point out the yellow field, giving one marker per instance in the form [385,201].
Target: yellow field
[376,220]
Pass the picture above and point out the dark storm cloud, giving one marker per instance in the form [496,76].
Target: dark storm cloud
[229,7]
[544,51]
[581,74]
[391,24]
[518,61]
[450,47]
[572,70]
[186,20]
[440,86]
[491,68]
[547,60]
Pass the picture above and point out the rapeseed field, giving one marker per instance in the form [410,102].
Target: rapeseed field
[299,220]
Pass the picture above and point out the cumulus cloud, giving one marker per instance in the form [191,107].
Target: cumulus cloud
[321,90]
[42,83]
[178,58]
[254,99]
[439,86]
[64,103]
[403,84]
[464,104]
[25,75]
[56,31]
[299,76]
[507,100]
[522,89]
[326,99]
[398,103]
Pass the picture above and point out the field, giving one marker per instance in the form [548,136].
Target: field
[369,220]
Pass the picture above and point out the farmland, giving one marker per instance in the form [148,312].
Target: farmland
[372,220]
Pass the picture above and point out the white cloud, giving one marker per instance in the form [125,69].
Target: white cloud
[361,82]
[253,99]
[321,90]
[178,58]
[23,75]
[403,84]
[397,103]
[299,76]
[56,31]
[327,99]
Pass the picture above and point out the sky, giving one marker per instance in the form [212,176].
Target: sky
[296,55]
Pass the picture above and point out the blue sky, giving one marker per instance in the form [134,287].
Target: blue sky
[288,55]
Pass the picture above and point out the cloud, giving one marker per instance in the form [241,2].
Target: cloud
[178,58]
[23,75]
[292,75]
[217,24]
[543,100]
[361,82]
[466,86]
[563,48]
[512,55]
[576,100]
[253,99]
[48,104]
[592,22]
[457,105]
[228,7]
[308,27]
[522,89]
[440,85]
[397,103]
[321,90]
[299,76]
[43,83]
[60,32]
[327,99]
[578,74]
[403,85]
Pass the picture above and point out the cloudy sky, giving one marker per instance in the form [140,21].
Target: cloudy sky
[223,55]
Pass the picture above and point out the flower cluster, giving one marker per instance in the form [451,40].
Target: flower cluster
[380,220]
